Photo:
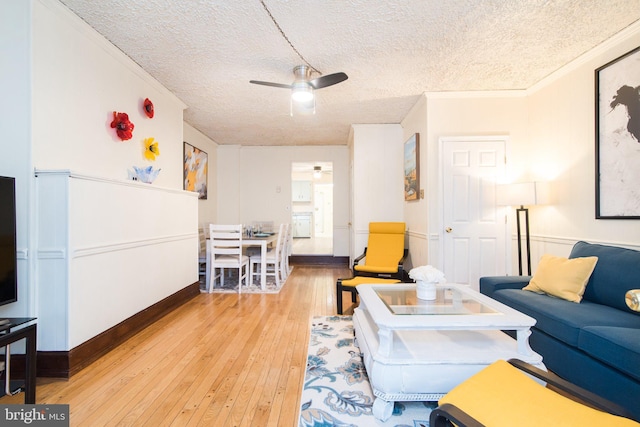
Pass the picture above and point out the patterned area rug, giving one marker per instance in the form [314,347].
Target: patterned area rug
[336,388]
[231,285]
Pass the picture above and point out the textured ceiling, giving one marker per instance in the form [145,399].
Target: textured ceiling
[206,51]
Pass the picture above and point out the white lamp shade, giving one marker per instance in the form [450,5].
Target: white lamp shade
[524,194]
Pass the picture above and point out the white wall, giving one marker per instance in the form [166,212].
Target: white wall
[207,209]
[377,178]
[415,211]
[62,82]
[249,179]
[562,149]
[551,129]
[99,264]
[79,80]
[15,144]
[465,114]
[229,190]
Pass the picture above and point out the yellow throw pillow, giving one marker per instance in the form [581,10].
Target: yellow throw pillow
[562,277]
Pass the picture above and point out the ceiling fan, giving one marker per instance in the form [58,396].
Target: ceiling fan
[302,87]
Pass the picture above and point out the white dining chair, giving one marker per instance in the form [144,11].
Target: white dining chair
[226,253]
[273,259]
[202,252]
[286,251]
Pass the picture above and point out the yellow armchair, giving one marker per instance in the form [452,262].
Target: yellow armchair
[385,253]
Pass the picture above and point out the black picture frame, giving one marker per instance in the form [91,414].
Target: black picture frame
[617,134]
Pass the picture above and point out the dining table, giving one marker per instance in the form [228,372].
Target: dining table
[264,241]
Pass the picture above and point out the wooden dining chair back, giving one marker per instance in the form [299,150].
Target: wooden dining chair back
[273,260]
[385,253]
[226,253]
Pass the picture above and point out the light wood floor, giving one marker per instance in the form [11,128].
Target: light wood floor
[219,360]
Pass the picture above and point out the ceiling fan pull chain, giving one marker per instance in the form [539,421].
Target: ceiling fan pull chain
[287,38]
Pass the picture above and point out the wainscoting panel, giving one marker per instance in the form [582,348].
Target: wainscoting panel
[418,250]
[554,245]
[107,250]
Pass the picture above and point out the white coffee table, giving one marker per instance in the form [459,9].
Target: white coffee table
[419,350]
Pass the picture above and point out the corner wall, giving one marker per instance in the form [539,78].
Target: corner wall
[378,179]
[415,211]
[207,208]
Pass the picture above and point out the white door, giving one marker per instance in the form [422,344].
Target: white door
[474,228]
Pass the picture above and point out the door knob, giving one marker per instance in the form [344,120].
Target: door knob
[448,229]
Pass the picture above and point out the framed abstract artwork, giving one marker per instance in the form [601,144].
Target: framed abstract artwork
[195,170]
[412,168]
[618,138]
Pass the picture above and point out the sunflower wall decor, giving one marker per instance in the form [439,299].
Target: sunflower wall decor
[151,149]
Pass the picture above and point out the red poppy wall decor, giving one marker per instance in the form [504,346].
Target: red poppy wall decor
[124,128]
[148,108]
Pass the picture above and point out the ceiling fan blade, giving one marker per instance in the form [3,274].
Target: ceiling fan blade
[257,82]
[328,80]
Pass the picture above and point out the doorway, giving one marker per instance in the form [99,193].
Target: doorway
[312,208]
[474,242]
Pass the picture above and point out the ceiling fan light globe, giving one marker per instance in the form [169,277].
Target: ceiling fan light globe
[301,93]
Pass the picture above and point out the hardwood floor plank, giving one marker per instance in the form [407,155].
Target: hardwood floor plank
[218,360]
[271,397]
[155,398]
[204,376]
[194,410]
[235,381]
[254,384]
[275,366]
[120,358]
[144,382]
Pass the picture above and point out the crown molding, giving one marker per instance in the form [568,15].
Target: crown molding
[603,49]
[516,93]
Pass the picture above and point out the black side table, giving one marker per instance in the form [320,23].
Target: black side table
[28,333]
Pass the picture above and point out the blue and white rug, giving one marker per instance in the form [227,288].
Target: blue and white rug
[336,389]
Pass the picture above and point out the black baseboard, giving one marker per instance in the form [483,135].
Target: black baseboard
[319,260]
[64,364]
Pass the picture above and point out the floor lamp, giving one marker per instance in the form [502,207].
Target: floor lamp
[523,194]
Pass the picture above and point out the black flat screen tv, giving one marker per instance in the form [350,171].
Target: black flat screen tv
[8,249]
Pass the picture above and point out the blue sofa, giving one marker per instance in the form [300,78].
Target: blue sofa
[595,343]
